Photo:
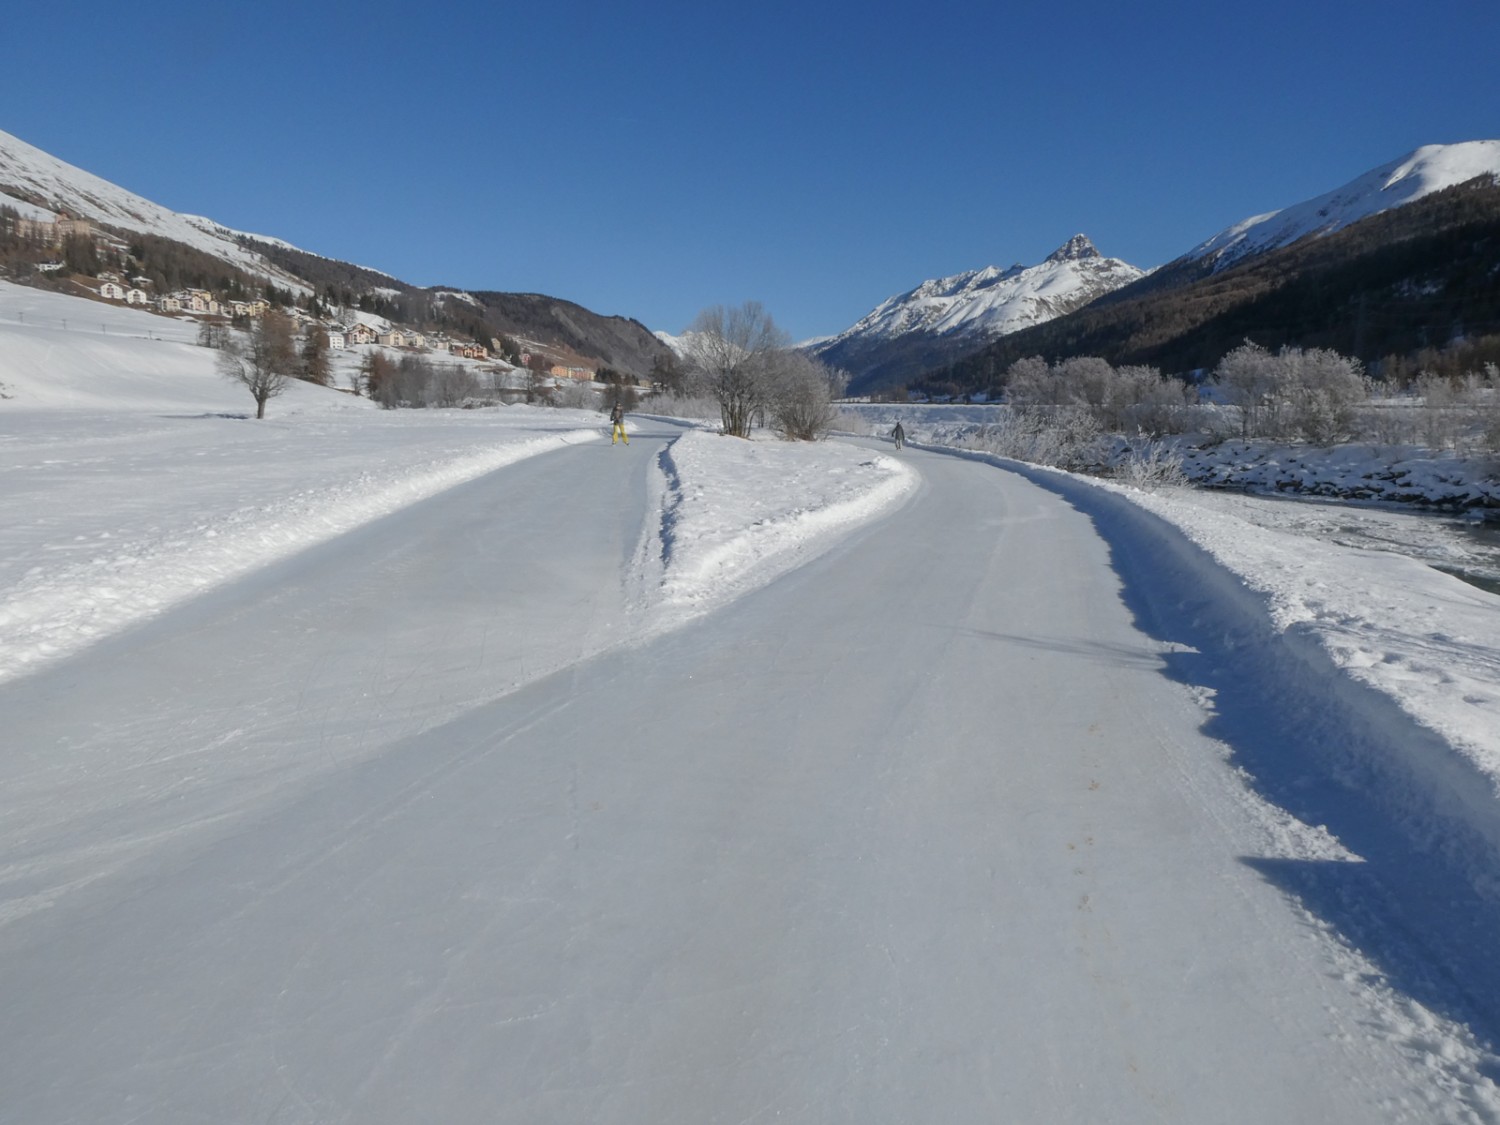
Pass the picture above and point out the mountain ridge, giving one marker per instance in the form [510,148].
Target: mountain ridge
[949,315]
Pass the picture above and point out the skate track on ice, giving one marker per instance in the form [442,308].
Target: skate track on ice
[942,826]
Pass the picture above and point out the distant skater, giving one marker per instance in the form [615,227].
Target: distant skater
[617,419]
[898,435]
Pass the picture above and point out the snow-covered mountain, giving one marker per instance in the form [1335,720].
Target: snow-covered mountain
[1417,174]
[39,185]
[991,302]
[951,315]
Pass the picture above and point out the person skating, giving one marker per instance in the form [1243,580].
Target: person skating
[617,420]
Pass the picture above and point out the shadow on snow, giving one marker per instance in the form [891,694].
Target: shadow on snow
[1423,902]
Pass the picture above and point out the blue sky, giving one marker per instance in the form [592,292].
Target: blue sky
[653,161]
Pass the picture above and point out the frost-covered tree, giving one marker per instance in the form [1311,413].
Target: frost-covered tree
[1028,382]
[1252,380]
[731,355]
[801,395]
[1295,393]
[1324,388]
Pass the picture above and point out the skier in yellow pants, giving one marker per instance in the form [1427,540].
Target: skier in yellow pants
[617,418]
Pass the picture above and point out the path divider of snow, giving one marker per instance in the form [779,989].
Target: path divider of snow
[1293,678]
[53,613]
[737,514]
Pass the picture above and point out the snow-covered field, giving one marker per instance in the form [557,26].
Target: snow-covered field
[136,478]
[1350,687]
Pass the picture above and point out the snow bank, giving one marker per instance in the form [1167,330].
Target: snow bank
[1381,668]
[1429,641]
[736,514]
[1356,471]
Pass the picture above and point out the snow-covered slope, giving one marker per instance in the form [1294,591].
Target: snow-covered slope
[1420,173]
[40,185]
[993,302]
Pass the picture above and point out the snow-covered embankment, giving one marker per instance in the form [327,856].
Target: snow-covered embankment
[737,514]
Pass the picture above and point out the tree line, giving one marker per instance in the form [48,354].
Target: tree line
[1066,413]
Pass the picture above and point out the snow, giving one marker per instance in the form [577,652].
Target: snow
[991,302]
[1411,177]
[25,168]
[27,210]
[736,514]
[104,528]
[389,766]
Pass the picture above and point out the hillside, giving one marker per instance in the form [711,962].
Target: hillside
[1418,174]
[53,214]
[1391,283]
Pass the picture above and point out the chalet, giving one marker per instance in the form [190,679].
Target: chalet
[360,334]
[391,338]
[469,351]
[336,339]
[169,303]
[112,291]
[579,374]
[137,296]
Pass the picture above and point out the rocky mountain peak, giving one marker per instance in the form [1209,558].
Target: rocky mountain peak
[1075,249]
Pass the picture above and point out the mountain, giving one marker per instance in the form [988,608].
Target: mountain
[36,182]
[1415,176]
[1412,276]
[945,318]
[177,250]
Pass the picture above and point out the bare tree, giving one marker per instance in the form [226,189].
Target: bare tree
[378,376]
[264,363]
[540,387]
[452,385]
[213,332]
[731,353]
[315,364]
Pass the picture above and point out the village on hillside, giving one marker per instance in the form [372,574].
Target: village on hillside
[81,249]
